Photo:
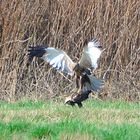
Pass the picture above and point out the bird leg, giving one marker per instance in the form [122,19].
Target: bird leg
[78,84]
[82,80]
[79,104]
[76,90]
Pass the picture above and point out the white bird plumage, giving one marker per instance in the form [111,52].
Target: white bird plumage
[62,62]
[91,54]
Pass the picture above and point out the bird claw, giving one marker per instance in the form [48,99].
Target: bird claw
[76,90]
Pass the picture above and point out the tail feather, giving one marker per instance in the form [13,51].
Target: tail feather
[94,85]
[37,51]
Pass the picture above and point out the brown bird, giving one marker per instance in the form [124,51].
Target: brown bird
[77,98]
[62,62]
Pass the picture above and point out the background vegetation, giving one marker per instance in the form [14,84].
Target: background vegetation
[68,25]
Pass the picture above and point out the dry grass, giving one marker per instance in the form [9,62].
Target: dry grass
[68,24]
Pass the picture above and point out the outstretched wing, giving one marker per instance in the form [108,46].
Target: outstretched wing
[91,54]
[55,57]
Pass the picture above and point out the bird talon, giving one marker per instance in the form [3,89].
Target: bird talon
[74,90]
[78,91]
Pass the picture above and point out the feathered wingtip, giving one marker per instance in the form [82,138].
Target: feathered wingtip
[36,51]
[95,42]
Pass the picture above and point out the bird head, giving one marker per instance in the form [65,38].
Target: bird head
[69,101]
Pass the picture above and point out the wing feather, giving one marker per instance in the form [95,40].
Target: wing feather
[59,60]
[91,54]
[55,57]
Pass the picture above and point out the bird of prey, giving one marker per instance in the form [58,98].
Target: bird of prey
[61,61]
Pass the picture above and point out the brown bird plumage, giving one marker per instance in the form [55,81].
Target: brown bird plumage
[89,83]
[77,98]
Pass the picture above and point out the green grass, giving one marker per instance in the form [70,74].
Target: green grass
[55,121]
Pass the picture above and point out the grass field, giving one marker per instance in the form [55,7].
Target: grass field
[53,120]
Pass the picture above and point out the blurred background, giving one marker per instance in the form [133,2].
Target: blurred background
[68,25]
